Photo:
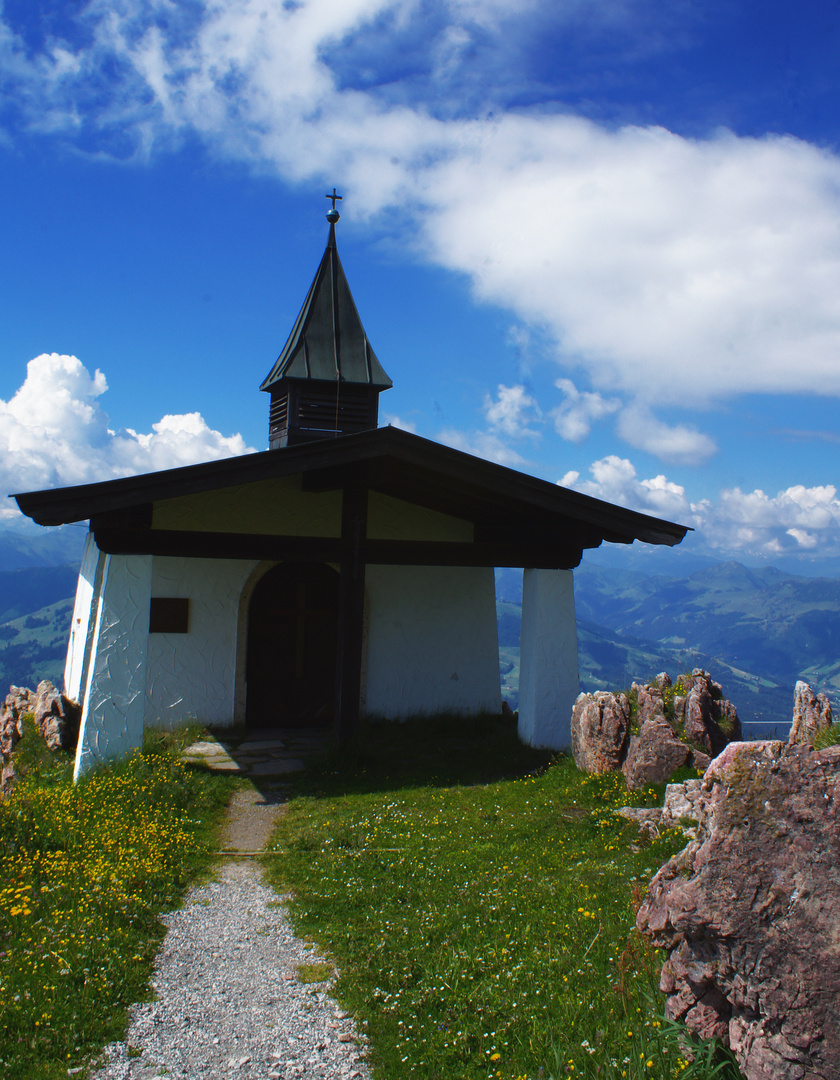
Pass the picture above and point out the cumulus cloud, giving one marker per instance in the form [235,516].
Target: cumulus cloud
[797,520]
[53,432]
[659,265]
[512,411]
[509,416]
[483,444]
[573,419]
[682,268]
[669,442]
[615,480]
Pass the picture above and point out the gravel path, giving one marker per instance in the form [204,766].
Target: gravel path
[229,1002]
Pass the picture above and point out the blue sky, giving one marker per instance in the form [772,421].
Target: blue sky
[598,241]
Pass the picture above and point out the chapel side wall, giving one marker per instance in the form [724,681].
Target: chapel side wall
[193,675]
[549,680]
[84,615]
[112,712]
[432,642]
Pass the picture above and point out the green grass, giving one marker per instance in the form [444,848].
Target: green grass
[829,736]
[86,871]
[480,908]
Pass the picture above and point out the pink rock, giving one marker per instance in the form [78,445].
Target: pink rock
[654,754]
[57,716]
[599,731]
[710,721]
[811,714]
[749,911]
[8,778]
[770,749]
[11,731]
[650,703]
[601,739]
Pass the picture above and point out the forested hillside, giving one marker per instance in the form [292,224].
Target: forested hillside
[33,647]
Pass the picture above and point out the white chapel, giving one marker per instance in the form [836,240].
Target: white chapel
[347,569]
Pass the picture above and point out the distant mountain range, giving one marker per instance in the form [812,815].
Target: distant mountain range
[757,630]
[26,590]
[41,547]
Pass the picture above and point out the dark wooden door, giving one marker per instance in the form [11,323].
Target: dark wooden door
[292,647]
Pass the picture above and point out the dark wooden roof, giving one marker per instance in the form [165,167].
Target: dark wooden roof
[328,341]
[515,515]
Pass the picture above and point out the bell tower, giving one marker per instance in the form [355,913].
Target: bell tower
[327,380]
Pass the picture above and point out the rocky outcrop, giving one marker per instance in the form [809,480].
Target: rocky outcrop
[749,910]
[11,732]
[707,718]
[655,754]
[811,714]
[600,730]
[684,806]
[55,716]
[666,727]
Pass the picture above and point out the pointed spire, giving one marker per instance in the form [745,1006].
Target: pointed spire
[327,345]
[328,341]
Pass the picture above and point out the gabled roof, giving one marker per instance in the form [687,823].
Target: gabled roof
[328,341]
[513,513]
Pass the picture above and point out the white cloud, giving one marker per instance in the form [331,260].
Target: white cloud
[180,439]
[483,444]
[399,422]
[573,419]
[615,480]
[682,268]
[664,267]
[53,432]
[508,416]
[669,442]
[512,411]
[803,538]
[797,520]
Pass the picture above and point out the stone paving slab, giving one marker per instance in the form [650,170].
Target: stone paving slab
[221,765]
[205,748]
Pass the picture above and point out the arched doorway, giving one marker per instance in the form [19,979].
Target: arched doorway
[292,647]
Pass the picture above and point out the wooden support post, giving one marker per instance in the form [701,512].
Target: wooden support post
[351,610]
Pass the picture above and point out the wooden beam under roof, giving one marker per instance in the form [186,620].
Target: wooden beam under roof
[214,545]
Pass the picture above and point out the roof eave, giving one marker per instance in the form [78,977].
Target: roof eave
[615,524]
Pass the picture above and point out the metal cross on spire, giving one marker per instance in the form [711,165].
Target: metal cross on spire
[332,214]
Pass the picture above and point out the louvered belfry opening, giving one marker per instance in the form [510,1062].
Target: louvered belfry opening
[327,380]
[301,411]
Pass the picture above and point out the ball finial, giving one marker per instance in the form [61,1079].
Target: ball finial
[332,214]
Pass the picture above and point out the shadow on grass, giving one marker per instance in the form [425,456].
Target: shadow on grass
[443,750]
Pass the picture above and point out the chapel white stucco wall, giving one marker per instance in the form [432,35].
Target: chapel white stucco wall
[432,642]
[549,680]
[193,675]
[114,693]
[84,617]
